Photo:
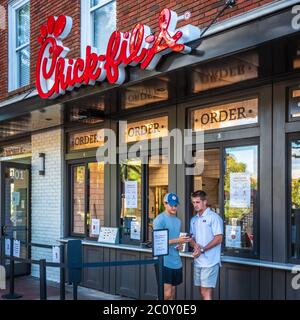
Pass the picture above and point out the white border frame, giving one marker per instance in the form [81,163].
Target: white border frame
[85,22]
[13,6]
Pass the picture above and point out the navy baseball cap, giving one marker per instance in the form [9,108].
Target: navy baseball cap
[172,199]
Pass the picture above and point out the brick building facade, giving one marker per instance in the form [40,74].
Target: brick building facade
[239,84]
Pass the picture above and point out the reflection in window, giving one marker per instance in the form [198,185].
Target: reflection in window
[240,196]
[225,72]
[158,187]
[295,200]
[131,198]
[78,177]
[103,23]
[209,179]
[96,197]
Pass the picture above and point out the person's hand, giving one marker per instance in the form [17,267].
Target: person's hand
[197,251]
[179,247]
[182,240]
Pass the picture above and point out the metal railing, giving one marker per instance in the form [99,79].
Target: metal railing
[43,264]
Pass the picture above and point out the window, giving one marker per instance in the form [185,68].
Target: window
[239,186]
[240,196]
[19,51]
[294,199]
[143,187]
[87,201]
[98,19]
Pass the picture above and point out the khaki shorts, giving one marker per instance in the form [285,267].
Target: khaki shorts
[206,277]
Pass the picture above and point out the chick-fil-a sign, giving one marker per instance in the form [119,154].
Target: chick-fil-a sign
[56,74]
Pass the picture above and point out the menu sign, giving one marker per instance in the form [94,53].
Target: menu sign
[225,72]
[7,151]
[227,115]
[86,140]
[144,93]
[147,129]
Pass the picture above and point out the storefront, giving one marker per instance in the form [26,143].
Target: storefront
[241,88]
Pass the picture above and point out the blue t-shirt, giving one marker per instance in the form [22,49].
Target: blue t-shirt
[173,224]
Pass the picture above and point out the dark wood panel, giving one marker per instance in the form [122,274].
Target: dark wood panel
[278,284]
[239,282]
[148,280]
[265,284]
[128,277]
[93,277]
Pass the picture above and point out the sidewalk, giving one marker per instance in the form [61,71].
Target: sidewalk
[29,287]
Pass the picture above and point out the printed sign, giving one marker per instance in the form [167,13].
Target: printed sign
[17,248]
[109,235]
[150,91]
[135,230]
[86,140]
[131,194]
[15,198]
[147,129]
[226,71]
[160,242]
[7,247]
[55,254]
[95,227]
[233,236]
[227,115]
[240,190]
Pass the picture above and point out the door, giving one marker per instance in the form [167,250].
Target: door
[15,209]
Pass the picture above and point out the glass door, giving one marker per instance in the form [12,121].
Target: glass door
[15,208]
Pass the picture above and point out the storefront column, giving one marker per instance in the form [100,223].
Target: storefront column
[46,196]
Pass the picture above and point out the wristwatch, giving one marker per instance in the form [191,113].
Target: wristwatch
[202,250]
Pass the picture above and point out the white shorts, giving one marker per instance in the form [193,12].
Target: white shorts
[206,277]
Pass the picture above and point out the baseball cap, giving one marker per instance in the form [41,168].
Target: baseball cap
[172,199]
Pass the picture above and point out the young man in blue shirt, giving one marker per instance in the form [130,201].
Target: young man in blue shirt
[172,270]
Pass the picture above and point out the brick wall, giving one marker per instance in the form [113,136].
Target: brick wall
[39,12]
[128,13]
[47,207]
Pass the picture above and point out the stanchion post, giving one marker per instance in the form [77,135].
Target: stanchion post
[12,294]
[75,290]
[62,273]
[43,281]
[160,278]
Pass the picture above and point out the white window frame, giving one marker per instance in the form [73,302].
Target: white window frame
[13,7]
[86,22]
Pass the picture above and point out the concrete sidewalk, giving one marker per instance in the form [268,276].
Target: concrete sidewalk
[29,288]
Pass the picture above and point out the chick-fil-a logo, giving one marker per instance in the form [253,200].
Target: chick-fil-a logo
[55,74]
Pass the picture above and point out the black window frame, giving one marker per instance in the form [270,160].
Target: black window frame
[70,165]
[290,139]
[243,253]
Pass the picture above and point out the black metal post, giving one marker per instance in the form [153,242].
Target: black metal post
[43,281]
[12,294]
[75,291]
[62,273]
[160,278]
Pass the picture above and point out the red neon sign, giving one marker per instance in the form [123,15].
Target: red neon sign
[55,74]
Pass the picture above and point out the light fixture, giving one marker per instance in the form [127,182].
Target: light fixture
[41,164]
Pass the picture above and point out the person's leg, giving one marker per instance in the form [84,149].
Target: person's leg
[167,291]
[173,292]
[209,277]
[206,293]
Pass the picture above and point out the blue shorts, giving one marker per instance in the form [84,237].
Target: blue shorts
[206,277]
[170,276]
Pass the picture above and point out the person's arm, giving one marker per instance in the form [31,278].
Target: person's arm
[217,229]
[180,240]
